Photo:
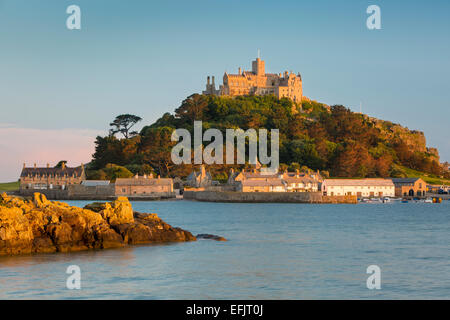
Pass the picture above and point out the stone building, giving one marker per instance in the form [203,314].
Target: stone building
[199,179]
[410,187]
[261,185]
[300,182]
[358,187]
[47,178]
[235,177]
[258,82]
[142,186]
[255,181]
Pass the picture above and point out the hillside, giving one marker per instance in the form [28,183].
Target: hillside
[9,186]
[334,140]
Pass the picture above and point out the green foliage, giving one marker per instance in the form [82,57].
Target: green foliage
[222,177]
[110,172]
[123,124]
[332,139]
[140,169]
[60,163]
[9,186]
[430,178]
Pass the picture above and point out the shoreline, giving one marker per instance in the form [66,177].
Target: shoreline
[232,197]
[38,225]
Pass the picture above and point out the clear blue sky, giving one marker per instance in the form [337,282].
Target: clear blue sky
[144,57]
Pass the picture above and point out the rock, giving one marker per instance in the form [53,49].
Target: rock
[211,237]
[119,211]
[38,225]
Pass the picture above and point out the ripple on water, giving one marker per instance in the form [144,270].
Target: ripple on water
[276,251]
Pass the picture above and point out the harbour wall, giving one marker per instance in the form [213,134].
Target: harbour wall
[266,197]
[80,192]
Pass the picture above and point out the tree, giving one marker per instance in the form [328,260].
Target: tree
[123,124]
[114,172]
[192,108]
[60,163]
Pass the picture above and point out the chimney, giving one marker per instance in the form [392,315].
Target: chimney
[63,165]
[213,83]
[207,80]
[239,71]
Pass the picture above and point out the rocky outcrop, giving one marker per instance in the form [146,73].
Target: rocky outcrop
[210,237]
[37,225]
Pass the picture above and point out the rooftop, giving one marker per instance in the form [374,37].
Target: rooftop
[404,180]
[262,183]
[142,181]
[36,171]
[359,182]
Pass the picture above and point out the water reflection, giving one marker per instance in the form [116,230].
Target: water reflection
[276,251]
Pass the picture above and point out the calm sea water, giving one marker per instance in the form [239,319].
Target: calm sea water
[275,251]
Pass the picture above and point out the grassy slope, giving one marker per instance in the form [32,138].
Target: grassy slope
[10,186]
[428,178]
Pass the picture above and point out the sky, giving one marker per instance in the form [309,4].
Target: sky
[61,88]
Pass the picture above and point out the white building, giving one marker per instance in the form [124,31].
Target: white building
[359,187]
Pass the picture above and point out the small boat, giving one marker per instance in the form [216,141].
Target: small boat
[405,201]
[428,200]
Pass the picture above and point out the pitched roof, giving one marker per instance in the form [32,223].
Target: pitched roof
[195,174]
[359,182]
[94,183]
[141,181]
[39,172]
[404,180]
[261,183]
[259,175]
[303,179]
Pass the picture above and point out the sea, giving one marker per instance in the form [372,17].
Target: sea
[274,251]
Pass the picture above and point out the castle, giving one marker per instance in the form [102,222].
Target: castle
[258,82]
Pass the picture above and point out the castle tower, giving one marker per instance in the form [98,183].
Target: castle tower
[259,67]
[210,86]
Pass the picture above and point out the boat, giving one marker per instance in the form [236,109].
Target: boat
[428,200]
